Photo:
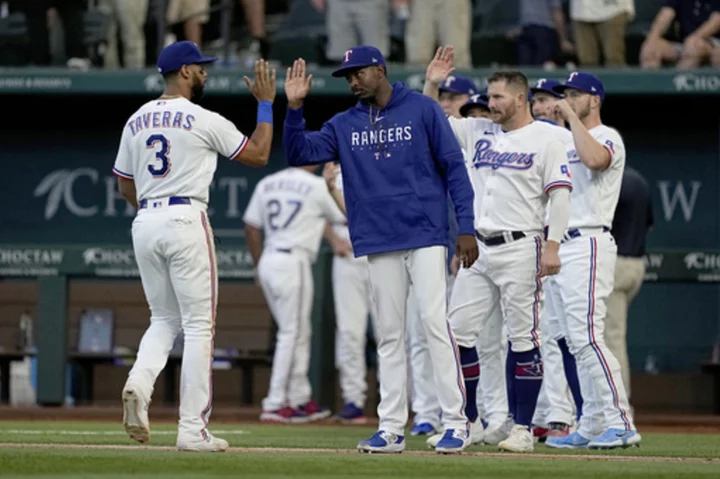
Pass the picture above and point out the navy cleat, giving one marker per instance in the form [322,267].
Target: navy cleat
[383,442]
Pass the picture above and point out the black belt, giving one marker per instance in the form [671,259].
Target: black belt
[575,233]
[173,200]
[283,250]
[499,239]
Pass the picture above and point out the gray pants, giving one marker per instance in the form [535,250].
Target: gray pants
[443,22]
[129,17]
[357,22]
[629,276]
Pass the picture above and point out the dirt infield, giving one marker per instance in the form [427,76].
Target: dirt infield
[276,450]
[655,422]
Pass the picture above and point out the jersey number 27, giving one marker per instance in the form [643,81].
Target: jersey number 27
[161,145]
[275,207]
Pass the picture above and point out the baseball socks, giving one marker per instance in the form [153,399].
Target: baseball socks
[526,380]
[571,375]
[471,376]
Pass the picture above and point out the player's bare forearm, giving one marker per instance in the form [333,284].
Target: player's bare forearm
[710,27]
[432,90]
[662,22]
[257,153]
[253,238]
[591,153]
[339,199]
[127,190]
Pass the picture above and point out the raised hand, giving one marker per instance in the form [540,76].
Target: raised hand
[441,65]
[263,88]
[297,84]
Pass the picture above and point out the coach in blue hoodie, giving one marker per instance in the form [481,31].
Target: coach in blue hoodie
[399,159]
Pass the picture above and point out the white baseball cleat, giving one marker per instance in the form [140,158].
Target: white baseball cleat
[198,443]
[494,434]
[519,440]
[477,432]
[135,414]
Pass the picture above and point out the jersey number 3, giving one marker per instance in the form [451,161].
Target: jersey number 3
[161,167]
[274,208]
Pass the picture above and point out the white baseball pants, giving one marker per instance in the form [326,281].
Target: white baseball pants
[353,305]
[492,398]
[555,403]
[424,403]
[286,280]
[390,276]
[585,283]
[175,252]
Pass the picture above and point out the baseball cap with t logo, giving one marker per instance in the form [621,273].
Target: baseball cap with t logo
[360,57]
[585,82]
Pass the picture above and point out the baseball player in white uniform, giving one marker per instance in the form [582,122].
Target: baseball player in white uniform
[555,412]
[290,208]
[165,164]
[518,164]
[353,306]
[588,254]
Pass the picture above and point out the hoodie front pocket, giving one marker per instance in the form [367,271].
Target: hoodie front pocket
[394,219]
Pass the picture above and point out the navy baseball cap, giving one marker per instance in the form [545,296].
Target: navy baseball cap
[178,54]
[583,81]
[546,85]
[360,57]
[476,100]
[460,85]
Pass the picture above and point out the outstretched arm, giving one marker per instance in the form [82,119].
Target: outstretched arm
[301,147]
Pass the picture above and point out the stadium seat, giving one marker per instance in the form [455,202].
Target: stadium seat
[13,38]
[490,43]
[302,35]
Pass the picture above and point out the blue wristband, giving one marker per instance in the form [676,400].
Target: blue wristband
[265,112]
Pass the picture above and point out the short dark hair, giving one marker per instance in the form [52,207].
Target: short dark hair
[511,78]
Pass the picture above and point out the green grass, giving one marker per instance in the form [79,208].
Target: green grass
[42,462]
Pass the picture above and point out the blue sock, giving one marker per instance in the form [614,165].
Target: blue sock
[527,379]
[471,375]
[509,375]
[571,375]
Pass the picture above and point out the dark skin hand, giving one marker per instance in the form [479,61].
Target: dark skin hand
[466,250]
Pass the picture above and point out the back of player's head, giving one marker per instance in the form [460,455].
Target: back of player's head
[513,79]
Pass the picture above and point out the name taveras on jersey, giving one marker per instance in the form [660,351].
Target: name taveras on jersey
[486,156]
[161,119]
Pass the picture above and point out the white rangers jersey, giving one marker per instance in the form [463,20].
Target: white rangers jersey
[512,172]
[170,147]
[595,193]
[292,207]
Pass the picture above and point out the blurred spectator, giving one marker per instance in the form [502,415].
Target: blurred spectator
[129,17]
[355,22]
[601,24]
[699,35]
[255,17]
[633,220]
[70,13]
[193,14]
[433,22]
[542,33]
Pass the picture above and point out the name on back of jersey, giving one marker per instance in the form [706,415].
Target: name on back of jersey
[161,119]
[486,156]
[285,184]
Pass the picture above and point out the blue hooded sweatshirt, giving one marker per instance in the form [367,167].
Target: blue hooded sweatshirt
[398,164]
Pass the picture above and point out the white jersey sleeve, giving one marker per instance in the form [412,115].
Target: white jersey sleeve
[610,139]
[123,161]
[462,127]
[556,172]
[224,137]
[254,213]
